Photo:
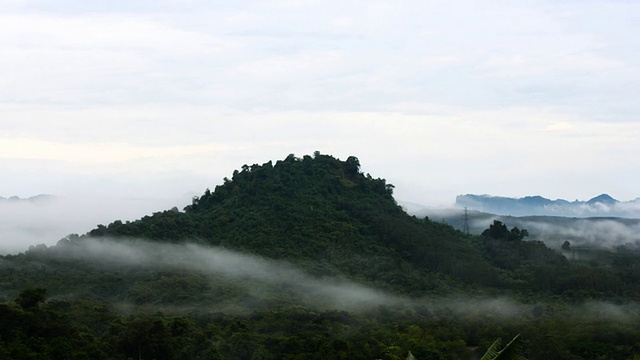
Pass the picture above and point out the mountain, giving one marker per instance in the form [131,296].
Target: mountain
[38,199]
[323,212]
[603,199]
[327,217]
[600,206]
[309,258]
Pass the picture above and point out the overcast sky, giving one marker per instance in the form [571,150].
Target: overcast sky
[162,99]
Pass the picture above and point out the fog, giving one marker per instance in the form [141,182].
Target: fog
[601,233]
[252,273]
[258,277]
[597,232]
[24,223]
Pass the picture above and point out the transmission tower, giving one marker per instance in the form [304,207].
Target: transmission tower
[465,221]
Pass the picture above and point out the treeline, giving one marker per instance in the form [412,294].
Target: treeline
[33,328]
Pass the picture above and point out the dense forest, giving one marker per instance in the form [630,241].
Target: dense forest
[309,258]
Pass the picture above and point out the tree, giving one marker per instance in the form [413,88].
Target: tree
[353,165]
[499,231]
[30,298]
[566,246]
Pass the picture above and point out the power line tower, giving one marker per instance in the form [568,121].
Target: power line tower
[465,221]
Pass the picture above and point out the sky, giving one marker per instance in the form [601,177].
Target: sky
[163,99]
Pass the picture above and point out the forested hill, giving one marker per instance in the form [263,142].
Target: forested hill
[309,258]
[326,214]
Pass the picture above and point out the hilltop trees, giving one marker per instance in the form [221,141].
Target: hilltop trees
[499,231]
[320,208]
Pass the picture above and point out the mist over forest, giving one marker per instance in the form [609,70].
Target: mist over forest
[260,277]
[597,232]
[309,256]
[253,274]
[46,219]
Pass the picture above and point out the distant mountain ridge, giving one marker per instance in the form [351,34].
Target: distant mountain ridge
[38,199]
[600,206]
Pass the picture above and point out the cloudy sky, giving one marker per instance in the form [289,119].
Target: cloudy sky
[162,99]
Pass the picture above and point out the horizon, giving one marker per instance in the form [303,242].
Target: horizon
[26,223]
[155,100]
[192,193]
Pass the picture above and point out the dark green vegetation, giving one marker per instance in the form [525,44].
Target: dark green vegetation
[510,351]
[308,258]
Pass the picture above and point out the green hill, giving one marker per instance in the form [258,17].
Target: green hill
[325,214]
[309,258]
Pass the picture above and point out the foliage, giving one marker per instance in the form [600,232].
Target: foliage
[511,351]
[30,298]
[320,208]
[499,231]
[325,216]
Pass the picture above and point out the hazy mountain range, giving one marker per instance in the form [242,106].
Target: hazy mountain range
[601,222]
[599,206]
[38,199]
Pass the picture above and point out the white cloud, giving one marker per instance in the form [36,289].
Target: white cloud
[448,96]
[97,153]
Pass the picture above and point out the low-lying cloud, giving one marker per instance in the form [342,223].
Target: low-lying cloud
[248,271]
[24,223]
[258,277]
[604,233]
[601,233]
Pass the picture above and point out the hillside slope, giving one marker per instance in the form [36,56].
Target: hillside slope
[325,214]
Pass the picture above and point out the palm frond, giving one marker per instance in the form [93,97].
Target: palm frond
[511,351]
[493,350]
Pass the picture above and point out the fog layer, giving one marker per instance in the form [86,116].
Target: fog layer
[248,271]
[24,223]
